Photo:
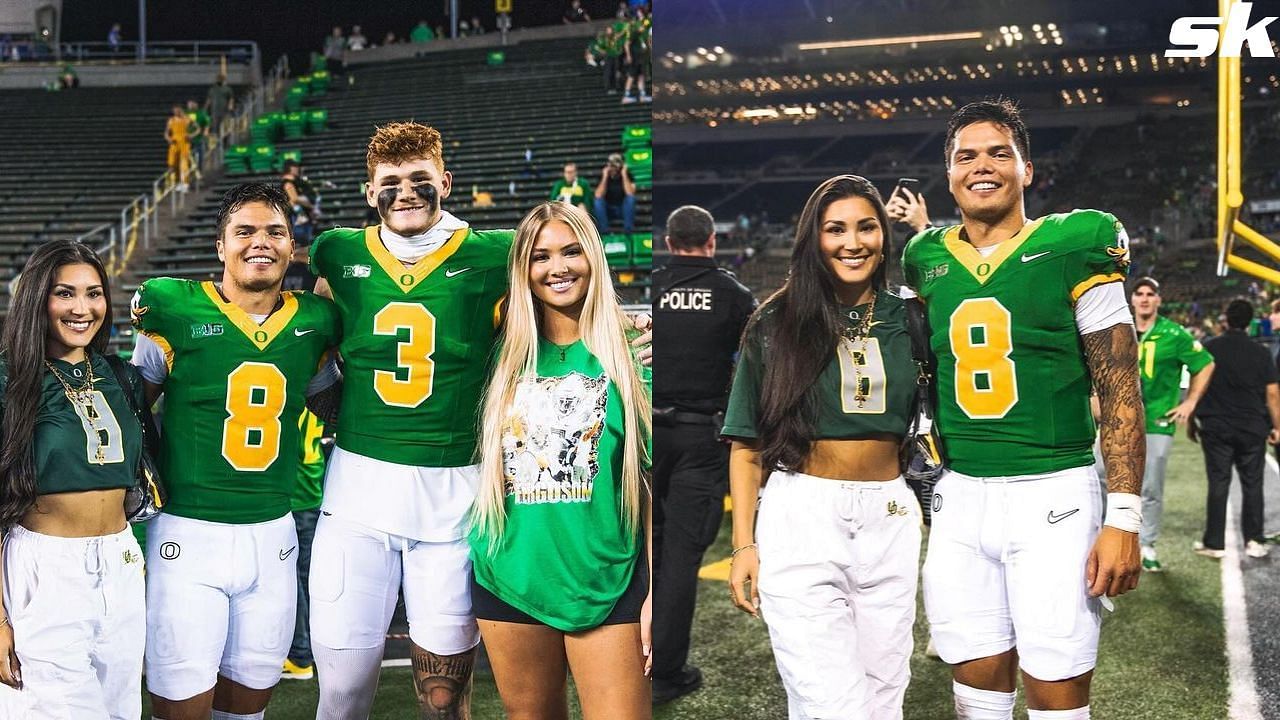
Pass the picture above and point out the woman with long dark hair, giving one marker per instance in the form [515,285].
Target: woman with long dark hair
[820,403]
[72,634]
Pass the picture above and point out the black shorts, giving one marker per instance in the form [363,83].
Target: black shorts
[488,606]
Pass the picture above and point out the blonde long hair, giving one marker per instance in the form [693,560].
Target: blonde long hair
[604,332]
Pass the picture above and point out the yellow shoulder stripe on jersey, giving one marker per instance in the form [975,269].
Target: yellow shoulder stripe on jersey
[260,335]
[1093,282]
[982,268]
[158,339]
[499,311]
[407,278]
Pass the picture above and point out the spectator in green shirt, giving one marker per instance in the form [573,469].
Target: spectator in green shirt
[197,131]
[422,33]
[571,188]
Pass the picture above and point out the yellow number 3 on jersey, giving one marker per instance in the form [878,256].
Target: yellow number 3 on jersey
[251,432]
[981,334]
[413,356]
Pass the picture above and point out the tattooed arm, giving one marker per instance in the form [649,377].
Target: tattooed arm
[1112,356]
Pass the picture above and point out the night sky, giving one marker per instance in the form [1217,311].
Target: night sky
[293,27]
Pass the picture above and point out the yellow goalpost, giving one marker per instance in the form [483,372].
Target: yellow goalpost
[1230,195]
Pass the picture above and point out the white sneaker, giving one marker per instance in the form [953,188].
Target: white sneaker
[1150,561]
[1255,549]
[1200,549]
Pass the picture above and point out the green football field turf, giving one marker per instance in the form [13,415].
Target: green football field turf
[1162,653]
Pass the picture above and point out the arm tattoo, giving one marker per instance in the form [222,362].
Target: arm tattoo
[1112,355]
[443,683]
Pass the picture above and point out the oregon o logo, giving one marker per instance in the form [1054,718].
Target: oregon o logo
[260,336]
[937,502]
[983,270]
[170,550]
[406,280]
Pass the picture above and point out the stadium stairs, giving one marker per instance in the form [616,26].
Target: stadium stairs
[541,97]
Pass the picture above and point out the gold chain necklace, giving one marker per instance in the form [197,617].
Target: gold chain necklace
[82,398]
[859,333]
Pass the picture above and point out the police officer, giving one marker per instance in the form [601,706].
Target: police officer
[699,315]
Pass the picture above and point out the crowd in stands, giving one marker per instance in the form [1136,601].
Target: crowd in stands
[623,50]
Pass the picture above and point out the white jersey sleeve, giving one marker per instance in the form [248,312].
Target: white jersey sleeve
[1102,307]
[149,358]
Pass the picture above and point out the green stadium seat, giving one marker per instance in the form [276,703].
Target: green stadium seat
[236,159]
[293,99]
[294,155]
[265,129]
[635,136]
[640,164]
[642,250]
[262,158]
[617,250]
[304,82]
[496,57]
[320,81]
[317,120]
[295,125]
[319,63]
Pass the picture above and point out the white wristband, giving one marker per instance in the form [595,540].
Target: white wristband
[1124,512]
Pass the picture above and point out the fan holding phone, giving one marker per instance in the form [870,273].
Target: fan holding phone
[906,205]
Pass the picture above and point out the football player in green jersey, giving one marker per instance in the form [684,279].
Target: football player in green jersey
[821,400]
[1025,315]
[73,623]
[1165,348]
[233,360]
[419,299]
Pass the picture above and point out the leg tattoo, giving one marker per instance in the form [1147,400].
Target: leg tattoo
[443,683]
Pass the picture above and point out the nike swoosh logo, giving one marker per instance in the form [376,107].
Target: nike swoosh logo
[1055,518]
[451,273]
[300,332]
[284,554]
[1028,258]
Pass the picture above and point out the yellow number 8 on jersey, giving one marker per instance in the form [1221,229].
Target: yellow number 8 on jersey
[251,432]
[981,335]
[413,356]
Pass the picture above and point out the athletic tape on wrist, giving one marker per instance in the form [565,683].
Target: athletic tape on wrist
[1124,512]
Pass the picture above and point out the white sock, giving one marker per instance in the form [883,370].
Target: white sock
[348,680]
[975,704]
[223,715]
[1077,714]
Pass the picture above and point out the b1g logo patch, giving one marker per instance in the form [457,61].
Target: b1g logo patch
[356,271]
[199,330]
[550,450]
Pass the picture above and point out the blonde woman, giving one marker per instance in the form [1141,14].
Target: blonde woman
[560,526]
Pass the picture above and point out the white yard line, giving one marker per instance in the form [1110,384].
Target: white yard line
[404,662]
[1243,701]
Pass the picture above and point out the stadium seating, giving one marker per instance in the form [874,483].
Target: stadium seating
[73,159]
[488,115]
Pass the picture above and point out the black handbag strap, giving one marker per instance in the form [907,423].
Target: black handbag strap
[143,414]
[918,330]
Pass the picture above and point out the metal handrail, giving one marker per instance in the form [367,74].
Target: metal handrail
[237,52]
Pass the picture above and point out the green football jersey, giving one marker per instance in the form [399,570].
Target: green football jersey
[416,341]
[1012,381]
[1163,350]
[309,492]
[81,447]
[882,366]
[233,396]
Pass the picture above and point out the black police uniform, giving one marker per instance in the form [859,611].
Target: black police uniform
[699,313]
